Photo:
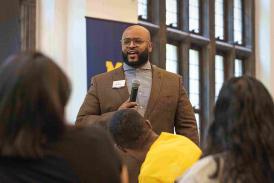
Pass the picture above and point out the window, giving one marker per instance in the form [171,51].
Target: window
[142,9]
[171,13]
[194,78]
[238,67]
[197,117]
[194,16]
[194,82]
[183,43]
[219,19]
[171,58]
[238,21]
[219,74]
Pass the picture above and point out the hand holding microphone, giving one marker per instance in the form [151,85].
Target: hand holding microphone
[131,102]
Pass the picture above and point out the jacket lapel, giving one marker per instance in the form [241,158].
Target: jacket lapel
[118,74]
[155,90]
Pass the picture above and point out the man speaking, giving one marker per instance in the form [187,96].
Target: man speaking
[161,97]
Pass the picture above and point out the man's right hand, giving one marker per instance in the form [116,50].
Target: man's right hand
[127,104]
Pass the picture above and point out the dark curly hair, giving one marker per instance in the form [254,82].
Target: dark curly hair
[128,129]
[33,94]
[243,130]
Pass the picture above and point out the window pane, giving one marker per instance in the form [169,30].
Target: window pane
[171,13]
[194,78]
[238,21]
[171,58]
[219,19]
[194,16]
[142,8]
[197,116]
[238,67]
[219,74]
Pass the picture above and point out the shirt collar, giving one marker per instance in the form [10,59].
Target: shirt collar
[146,66]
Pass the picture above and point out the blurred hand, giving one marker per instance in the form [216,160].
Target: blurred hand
[124,174]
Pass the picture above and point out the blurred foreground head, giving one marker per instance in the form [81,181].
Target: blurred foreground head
[243,128]
[33,94]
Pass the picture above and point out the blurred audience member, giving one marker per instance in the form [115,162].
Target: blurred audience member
[163,157]
[35,143]
[240,140]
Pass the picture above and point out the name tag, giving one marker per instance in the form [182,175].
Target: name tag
[119,84]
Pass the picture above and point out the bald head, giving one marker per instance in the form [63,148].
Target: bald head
[136,45]
[139,31]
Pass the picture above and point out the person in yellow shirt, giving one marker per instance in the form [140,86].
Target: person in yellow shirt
[163,157]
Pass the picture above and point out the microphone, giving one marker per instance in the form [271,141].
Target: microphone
[134,90]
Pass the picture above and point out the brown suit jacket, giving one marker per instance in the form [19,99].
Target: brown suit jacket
[168,105]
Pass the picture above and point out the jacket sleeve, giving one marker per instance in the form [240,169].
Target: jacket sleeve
[185,123]
[90,111]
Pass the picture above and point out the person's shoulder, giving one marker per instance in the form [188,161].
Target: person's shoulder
[88,133]
[165,73]
[90,151]
[86,138]
[200,171]
[108,73]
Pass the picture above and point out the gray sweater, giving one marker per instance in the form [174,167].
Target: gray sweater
[201,171]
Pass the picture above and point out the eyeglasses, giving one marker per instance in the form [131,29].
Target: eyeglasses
[136,41]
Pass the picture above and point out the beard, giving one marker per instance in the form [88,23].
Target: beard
[142,59]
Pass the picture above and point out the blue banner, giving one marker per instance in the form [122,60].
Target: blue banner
[104,52]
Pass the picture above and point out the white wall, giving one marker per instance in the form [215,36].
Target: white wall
[61,34]
[120,10]
[265,43]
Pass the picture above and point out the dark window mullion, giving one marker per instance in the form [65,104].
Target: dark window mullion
[229,64]
[200,17]
[185,18]
[229,21]
[205,17]
[155,12]
[248,21]
[184,70]
[249,36]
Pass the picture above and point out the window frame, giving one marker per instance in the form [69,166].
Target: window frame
[206,42]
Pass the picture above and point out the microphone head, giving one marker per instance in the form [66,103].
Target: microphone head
[135,83]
